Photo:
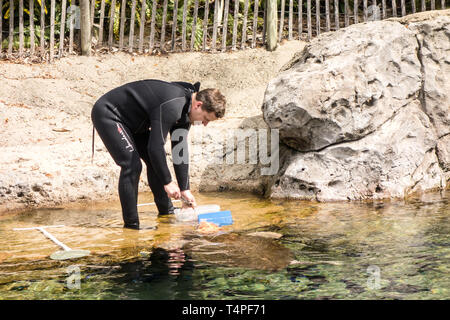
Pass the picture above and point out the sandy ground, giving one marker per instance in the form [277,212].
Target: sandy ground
[45,115]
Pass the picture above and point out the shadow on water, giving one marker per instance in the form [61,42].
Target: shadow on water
[274,250]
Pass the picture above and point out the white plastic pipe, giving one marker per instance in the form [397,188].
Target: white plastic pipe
[48,235]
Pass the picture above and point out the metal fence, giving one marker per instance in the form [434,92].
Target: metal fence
[46,30]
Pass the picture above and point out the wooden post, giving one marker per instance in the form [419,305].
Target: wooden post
[394,8]
[174,24]
[327,15]
[347,18]
[235,24]
[300,19]
[205,25]
[423,6]
[92,12]
[255,23]
[433,5]
[152,26]
[413,6]
[280,31]
[291,14]
[365,10]
[123,7]
[31,6]
[112,15]
[317,17]
[355,11]
[403,7]
[20,28]
[163,26]
[308,18]
[62,28]
[183,28]
[133,18]
[85,24]
[264,24]
[142,26]
[1,23]
[244,25]
[215,25]
[194,24]
[52,29]
[42,26]
[225,25]
[11,27]
[383,5]
[271,27]
[442,4]
[336,14]
[102,19]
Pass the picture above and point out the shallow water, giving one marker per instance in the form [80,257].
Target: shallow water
[355,250]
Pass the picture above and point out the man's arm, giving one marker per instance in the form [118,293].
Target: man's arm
[180,155]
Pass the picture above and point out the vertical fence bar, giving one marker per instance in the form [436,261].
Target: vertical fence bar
[423,6]
[163,27]
[132,21]
[42,27]
[183,29]
[244,25]
[20,28]
[112,15]
[255,22]
[365,10]
[327,14]
[280,31]
[442,4]
[235,24]
[336,14]
[402,3]
[308,13]
[102,20]
[142,26]
[225,25]
[355,11]
[383,6]
[433,5]
[52,30]
[62,28]
[300,19]
[205,26]
[271,27]
[174,24]
[413,5]
[86,29]
[123,8]
[1,25]
[31,6]
[71,27]
[291,8]
[317,17]
[194,25]
[215,25]
[152,26]
[92,12]
[11,27]
[346,15]
[394,8]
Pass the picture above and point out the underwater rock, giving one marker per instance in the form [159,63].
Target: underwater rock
[363,112]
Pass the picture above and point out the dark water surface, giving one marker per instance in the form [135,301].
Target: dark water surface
[398,249]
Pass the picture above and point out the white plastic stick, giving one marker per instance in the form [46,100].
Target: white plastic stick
[153,203]
[48,235]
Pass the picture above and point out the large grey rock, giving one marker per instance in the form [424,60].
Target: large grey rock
[364,112]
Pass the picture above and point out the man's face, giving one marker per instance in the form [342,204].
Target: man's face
[198,115]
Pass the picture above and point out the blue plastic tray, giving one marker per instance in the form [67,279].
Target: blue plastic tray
[221,218]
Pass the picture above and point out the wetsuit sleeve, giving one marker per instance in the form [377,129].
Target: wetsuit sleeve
[180,155]
[156,151]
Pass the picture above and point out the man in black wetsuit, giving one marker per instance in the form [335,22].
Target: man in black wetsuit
[133,122]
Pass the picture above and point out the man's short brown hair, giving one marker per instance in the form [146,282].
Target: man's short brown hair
[213,101]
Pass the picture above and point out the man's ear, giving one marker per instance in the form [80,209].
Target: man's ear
[199,104]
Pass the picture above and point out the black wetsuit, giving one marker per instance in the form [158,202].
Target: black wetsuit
[133,122]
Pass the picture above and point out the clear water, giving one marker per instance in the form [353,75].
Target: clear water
[398,249]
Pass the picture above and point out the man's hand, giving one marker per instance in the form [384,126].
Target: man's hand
[189,198]
[172,190]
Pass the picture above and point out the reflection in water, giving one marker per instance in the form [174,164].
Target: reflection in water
[348,250]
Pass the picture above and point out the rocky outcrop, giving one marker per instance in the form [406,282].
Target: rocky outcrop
[364,112]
